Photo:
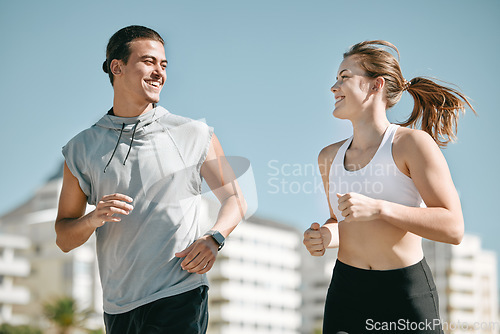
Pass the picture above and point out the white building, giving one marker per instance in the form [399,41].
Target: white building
[264,281]
[316,276]
[466,279]
[54,274]
[254,284]
[12,269]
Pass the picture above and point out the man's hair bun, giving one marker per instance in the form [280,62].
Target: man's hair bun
[105,67]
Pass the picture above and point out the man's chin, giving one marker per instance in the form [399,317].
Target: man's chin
[154,99]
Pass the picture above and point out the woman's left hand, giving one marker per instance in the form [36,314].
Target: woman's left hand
[357,207]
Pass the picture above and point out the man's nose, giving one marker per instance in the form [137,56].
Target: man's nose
[158,72]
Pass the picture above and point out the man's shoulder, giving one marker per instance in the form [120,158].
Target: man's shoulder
[85,135]
[182,123]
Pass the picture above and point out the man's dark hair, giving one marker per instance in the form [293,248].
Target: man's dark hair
[119,45]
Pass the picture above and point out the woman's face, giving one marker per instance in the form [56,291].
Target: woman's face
[352,90]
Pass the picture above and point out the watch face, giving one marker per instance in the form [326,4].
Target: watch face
[218,237]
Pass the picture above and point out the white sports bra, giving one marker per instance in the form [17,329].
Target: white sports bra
[380,178]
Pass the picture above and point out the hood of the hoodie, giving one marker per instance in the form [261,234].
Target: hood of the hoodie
[129,123]
[129,127]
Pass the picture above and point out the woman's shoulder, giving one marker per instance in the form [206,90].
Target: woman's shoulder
[413,146]
[329,152]
[407,139]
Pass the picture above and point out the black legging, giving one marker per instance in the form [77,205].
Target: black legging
[382,301]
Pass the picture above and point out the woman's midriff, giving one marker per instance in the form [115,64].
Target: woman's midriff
[378,245]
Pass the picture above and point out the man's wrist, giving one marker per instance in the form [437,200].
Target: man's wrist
[211,240]
[217,237]
[89,220]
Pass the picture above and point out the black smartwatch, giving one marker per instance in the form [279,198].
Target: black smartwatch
[218,237]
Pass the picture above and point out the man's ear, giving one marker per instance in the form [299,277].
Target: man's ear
[116,67]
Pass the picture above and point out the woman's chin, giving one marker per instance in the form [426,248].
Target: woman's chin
[338,114]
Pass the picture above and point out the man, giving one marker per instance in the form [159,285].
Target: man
[142,168]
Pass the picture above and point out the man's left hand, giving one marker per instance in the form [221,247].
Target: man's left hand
[200,256]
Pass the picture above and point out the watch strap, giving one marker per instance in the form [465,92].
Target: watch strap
[218,237]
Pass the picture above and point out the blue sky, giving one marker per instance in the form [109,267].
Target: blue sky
[259,72]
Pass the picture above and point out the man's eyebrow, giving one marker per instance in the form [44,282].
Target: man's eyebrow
[153,57]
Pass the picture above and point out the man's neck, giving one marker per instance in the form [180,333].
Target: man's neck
[126,109]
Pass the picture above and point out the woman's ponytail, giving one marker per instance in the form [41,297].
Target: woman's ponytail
[436,109]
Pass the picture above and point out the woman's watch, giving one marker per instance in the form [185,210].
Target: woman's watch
[218,237]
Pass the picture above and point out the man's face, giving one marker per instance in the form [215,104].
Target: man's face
[144,75]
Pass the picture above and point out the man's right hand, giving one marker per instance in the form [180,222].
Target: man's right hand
[313,240]
[107,207]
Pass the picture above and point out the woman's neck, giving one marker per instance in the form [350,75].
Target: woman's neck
[368,132]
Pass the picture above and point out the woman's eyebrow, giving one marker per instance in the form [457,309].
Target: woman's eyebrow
[340,73]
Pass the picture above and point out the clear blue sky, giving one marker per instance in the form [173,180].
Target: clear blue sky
[259,72]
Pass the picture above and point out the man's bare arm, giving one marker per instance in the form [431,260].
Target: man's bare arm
[73,227]
[200,256]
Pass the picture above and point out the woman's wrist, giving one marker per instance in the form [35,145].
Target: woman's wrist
[384,210]
[326,235]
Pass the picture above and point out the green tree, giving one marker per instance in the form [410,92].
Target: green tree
[24,329]
[64,314]
[96,331]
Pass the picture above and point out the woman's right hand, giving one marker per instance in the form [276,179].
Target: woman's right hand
[314,241]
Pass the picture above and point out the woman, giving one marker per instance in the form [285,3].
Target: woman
[387,187]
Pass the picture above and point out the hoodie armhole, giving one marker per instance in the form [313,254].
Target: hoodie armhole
[206,148]
[84,185]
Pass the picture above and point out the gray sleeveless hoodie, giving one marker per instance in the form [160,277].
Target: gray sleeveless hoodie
[154,158]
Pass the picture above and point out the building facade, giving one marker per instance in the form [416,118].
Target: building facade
[53,274]
[316,276]
[254,284]
[13,268]
[466,279]
[264,281]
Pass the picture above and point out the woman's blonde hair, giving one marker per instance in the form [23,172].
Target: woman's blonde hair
[436,107]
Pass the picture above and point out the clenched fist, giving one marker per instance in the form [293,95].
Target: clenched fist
[314,238]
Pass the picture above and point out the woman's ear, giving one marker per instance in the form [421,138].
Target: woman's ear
[378,84]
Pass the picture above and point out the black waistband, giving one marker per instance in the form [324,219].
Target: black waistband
[411,280]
